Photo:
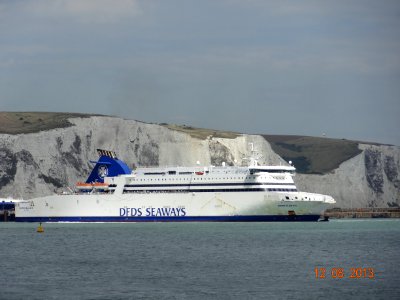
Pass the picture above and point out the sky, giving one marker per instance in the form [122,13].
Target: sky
[254,66]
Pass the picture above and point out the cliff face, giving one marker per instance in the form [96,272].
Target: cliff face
[370,179]
[41,163]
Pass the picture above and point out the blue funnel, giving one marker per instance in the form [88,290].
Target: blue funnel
[108,165]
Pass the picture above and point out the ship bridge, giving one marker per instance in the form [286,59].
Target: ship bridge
[272,169]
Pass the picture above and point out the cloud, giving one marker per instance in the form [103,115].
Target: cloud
[102,10]
[159,60]
[98,11]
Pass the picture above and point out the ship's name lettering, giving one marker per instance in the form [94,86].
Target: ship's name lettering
[152,212]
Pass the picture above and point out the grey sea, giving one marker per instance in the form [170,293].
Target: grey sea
[201,260]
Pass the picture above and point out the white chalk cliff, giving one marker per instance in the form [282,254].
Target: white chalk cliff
[41,163]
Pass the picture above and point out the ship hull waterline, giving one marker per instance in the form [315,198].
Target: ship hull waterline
[187,207]
[271,218]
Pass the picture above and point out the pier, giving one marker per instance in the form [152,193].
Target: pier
[7,211]
[7,215]
[368,212]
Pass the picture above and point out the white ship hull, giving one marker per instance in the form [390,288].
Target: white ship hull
[116,194]
[224,206]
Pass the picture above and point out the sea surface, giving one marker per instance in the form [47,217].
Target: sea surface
[201,260]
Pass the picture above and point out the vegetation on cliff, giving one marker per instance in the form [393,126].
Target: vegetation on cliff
[29,122]
[313,155]
[202,133]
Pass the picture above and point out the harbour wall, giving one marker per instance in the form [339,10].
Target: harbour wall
[358,213]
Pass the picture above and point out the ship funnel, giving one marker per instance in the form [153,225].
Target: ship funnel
[108,165]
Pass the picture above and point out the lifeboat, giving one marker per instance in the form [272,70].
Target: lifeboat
[84,186]
[90,186]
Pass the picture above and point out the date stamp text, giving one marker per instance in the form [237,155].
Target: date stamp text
[353,273]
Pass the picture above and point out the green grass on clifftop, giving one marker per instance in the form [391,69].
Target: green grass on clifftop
[313,155]
[201,133]
[29,122]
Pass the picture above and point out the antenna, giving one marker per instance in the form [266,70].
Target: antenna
[254,156]
[251,147]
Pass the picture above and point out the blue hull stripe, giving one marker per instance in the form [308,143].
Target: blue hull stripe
[269,218]
[208,190]
[207,184]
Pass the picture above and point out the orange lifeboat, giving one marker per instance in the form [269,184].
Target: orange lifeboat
[100,185]
[93,185]
[83,186]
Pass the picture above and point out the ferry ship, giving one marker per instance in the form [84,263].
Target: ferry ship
[115,193]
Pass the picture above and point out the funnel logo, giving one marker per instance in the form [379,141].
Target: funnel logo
[102,171]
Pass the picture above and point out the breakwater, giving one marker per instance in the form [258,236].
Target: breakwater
[7,215]
[370,212]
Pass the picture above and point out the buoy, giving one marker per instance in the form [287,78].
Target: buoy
[40,228]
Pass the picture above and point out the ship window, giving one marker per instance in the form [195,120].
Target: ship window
[154,173]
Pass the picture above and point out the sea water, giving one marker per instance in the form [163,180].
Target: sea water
[201,260]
